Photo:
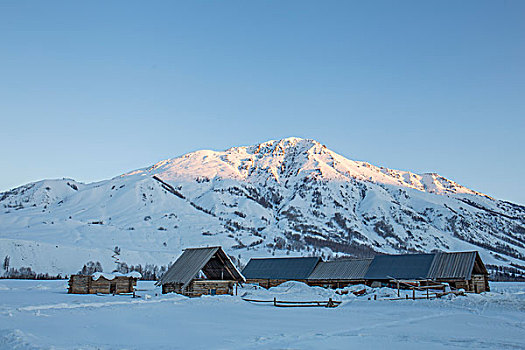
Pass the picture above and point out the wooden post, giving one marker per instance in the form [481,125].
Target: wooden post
[413,293]
[406,296]
[397,289]
[375,296]
[274,301]
[428,297]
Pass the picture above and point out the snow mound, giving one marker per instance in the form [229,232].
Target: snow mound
[289,291]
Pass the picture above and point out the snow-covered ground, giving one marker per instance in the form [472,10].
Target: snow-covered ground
[40,315]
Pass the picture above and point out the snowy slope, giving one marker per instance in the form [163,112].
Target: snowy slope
[292,196]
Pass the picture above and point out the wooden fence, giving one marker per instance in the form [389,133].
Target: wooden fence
[282,303]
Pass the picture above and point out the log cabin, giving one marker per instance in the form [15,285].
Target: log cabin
[201,271]
[104,283]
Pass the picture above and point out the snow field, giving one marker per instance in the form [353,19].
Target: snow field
[41,315]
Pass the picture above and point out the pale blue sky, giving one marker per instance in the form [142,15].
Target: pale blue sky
[91,90]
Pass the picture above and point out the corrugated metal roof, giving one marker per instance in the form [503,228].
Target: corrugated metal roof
[192,261]
[453,265]
[409,266]
[280,268]
[354,269]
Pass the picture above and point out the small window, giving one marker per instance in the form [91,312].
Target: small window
[213,291]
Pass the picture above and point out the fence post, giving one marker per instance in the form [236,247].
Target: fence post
[413,293]
[274,301]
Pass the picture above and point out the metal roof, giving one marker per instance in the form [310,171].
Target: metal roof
[354,269]
[194,260]
[280,268]
[453,265]
[408,266]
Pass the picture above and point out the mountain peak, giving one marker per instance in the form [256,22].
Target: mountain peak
[296,159]
[295,144]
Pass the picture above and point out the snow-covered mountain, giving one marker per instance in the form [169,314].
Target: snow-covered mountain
[292,196]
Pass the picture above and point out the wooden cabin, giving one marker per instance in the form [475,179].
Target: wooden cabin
[104,283]
[271,272]
[201,271]
[459,269]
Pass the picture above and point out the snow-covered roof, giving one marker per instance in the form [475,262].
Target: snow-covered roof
[112,276]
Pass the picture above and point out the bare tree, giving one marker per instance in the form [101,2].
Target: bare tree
[6,263]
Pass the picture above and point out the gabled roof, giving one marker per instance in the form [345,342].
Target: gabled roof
[280,268]
[458,265]
[213,261]
[354,269]
[407,266]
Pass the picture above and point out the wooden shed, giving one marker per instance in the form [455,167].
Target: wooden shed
[105,283]
[201,271]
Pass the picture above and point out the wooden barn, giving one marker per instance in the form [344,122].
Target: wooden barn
[271,272]
[460,270]
[105,283]
[201,271]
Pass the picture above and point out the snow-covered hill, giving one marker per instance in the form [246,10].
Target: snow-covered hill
[292,196]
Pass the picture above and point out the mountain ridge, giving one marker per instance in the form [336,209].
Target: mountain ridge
[280,197]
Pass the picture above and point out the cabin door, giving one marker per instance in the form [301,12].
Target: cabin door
[112,288]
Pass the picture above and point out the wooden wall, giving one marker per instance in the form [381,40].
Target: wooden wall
[79,284]
[480,283]
[201,287]
[334,284]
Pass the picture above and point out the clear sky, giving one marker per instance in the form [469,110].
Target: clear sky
[90,90]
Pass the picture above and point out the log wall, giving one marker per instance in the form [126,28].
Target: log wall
[79,284]
[201,287]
